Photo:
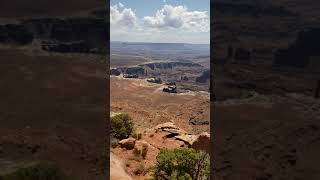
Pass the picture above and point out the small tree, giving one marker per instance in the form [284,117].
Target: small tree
[121,126]
[181,163]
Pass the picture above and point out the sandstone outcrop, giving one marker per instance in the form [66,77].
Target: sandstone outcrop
[202,142]
[166,135]
[127,143]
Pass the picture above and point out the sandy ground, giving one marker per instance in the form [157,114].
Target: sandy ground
[149,106]
[117,168]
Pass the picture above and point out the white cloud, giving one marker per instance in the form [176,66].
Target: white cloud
[121,5]
[169,24]
[121,17]
[179,17]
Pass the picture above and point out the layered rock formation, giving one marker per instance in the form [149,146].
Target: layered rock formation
[300,52]
[15,34]
[205,76]
[64,35]
[166,135]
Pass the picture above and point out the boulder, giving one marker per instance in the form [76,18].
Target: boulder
[175,132]
[187,139]
[202,142]
[196,121]
[127,143]
[167,125]
[171,129]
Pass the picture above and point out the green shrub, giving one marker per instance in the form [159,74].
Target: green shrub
[136,152]
[121,126]
[42,171]
[182,163]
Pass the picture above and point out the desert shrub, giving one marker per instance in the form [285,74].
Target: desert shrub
[140,169]
[136,152]
[202,168]
[137,136]
[144,151]
[127,163]
[41,171]
[181,163]
[121,126]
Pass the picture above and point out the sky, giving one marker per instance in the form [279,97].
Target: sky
[165,21]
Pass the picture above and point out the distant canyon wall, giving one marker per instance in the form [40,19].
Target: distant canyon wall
[76,34]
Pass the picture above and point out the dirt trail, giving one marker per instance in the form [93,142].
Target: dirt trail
[117,169]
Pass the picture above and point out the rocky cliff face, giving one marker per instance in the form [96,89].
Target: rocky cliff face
[81,35]
[15,34]
[157,67]
[169,65]
[243,8]
[66,30]
[205,76]
[299,53]
[166,135]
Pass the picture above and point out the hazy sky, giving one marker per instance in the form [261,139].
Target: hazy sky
[176,21]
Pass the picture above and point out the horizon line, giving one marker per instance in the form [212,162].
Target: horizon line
[161,42]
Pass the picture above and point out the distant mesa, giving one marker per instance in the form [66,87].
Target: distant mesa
[69,35]
[15,34]
[205,76]
[301,53]
[169,65]
[130,76]
[136,70]
[115,72]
